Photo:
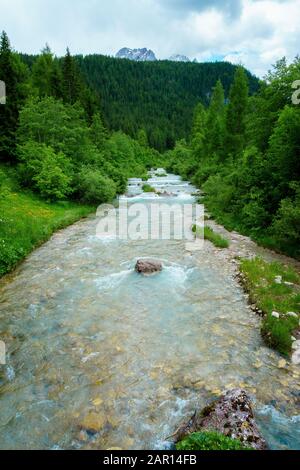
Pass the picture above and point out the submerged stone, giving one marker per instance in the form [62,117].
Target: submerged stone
[148,266]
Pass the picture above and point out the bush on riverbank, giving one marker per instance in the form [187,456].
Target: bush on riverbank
[26,221]
[274,288]
[148,189]
[210,441]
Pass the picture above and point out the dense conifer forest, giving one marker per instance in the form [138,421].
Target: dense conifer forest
[155,96]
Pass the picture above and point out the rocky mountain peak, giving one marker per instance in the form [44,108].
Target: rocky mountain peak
[139,55]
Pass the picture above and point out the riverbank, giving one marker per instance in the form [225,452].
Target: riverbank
[271,282]
[26,222]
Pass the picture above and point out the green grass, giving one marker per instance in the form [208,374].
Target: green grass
[212,236]
[26,221]
[210,441]
[148,189]
[259,280]
[262,237]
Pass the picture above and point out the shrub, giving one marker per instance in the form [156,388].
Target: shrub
[210,441]
[95,188]
[45,171]
[148,189]
[51,182]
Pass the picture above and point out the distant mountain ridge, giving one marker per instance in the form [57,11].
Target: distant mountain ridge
[139,55]
[179,58]
[147,55]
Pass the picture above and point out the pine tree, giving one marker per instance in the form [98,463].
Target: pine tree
[41,72]
[215,134]
[56,81]
[236,113]
[199,131]
[72,82]
[9,111]
[142,138]
[98,132]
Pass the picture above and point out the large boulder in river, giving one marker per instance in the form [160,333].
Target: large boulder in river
[231,415]
[148,266]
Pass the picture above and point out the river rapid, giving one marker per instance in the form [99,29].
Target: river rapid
[100,357]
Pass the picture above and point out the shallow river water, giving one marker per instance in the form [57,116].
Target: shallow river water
[94,346]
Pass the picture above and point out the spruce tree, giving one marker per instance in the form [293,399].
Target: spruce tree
[46,75]
[215,134]
[142,138]
[71,80]
[9,111]
[199,131]
[98,132]
[236,113]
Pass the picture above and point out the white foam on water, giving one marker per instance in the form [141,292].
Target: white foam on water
[112,280]
[10,373]
[178,413]
[89,357]
[279,417]
[177,273]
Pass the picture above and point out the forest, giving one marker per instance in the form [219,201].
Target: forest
[244,154]
[155,96]
[54,146]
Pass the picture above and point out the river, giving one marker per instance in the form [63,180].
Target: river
[94,345]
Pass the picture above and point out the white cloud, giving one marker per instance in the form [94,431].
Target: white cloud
[254,32]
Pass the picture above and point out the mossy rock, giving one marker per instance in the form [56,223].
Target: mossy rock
[210,441]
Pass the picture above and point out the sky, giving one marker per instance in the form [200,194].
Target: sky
[255,33]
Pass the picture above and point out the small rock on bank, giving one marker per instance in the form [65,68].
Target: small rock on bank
[231,415]
[148,266]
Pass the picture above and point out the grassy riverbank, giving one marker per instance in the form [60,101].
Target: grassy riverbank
[211,236]
[275,290]
[26,222]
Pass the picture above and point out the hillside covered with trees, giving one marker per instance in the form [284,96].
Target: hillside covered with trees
[245,156]
[154,96]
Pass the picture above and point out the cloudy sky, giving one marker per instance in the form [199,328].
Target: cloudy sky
[253,32]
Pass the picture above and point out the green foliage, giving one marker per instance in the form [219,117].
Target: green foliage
[213,237]
[209,440]
[246,159]
[287,223]
[269,296]
[134,95]
[215,132]
[14,75]
[47,172]
[51,181]
[142,138]
[46,79]
[72,83]
[26,221]
[148,189]
[62,127]
[98,133]
[236,112]
[93,187]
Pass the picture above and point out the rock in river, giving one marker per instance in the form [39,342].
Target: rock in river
[230,415]
[148,266]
